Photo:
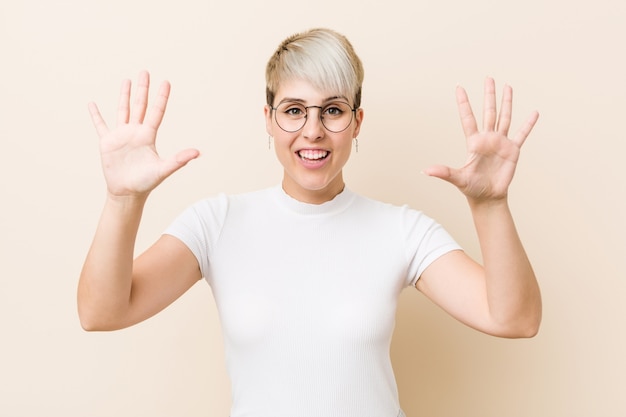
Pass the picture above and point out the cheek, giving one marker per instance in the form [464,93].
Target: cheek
[281,143]
[347,140]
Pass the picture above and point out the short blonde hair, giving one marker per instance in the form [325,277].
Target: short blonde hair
[320,56]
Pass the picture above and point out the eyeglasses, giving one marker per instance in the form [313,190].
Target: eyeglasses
[335,116]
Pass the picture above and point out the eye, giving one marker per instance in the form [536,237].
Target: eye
[335,110]
[293,110]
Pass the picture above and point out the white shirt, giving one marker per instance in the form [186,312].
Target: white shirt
[307,296]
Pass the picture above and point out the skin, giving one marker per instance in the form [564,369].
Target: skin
[115,291]
[311,183]
[501,298]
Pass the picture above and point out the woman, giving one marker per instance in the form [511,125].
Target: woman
[306,275]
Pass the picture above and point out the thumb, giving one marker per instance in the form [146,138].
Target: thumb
[442,172]
[179,160]
[187,155]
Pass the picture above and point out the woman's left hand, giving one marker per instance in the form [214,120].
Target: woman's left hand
[492,156]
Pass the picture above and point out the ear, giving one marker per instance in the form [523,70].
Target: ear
[267,111]
[358,117]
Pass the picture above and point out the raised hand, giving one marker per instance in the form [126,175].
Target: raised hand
[492,156]
[132,167]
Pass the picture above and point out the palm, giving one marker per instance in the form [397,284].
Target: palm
[130,166]
[492,156]
[130,160]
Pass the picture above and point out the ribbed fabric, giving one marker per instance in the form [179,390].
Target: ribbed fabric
[307,296]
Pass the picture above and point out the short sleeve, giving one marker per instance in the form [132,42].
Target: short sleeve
[199,227]
[426,240]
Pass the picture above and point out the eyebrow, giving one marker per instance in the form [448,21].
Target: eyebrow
[302,101]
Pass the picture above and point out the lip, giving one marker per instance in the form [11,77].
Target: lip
[312,163]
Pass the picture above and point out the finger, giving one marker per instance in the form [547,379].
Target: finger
[506,110]
[443,172]
[468,121]
[181,159]
[450,175]
[141,97]
[123,108]
[489,105]
[155,117]
[97,120]
[523,133]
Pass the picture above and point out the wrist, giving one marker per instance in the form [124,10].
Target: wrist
[487,205]
[126,201]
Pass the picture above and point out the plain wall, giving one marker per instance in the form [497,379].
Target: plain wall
[563,58]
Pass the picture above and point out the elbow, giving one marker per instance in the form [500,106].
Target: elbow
[532,322]
[89,326]
[89,322]
[96,321]
[96,325]
[516,332]
[94,316]
[525,328]
[528,331]
[524,323]
[532,329]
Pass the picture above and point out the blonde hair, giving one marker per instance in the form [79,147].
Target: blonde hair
[320,56]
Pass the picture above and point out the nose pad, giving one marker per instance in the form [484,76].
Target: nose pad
[313,128]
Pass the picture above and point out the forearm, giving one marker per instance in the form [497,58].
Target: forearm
[104,289]
[512,291]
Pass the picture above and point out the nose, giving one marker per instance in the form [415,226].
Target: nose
[313,128]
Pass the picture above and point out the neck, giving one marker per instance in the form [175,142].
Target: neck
[314,196]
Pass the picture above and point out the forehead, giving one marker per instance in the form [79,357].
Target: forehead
[305,91]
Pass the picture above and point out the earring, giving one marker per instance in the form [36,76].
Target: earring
[356,145]
[269,142]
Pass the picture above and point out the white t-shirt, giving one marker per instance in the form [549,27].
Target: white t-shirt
[307,296]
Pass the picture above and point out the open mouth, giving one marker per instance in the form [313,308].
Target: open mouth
[313,154]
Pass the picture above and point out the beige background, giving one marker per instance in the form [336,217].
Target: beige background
[563,58]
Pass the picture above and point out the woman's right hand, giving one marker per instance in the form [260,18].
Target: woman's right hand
[132,167]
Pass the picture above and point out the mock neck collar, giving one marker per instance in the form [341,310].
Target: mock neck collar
[339,203]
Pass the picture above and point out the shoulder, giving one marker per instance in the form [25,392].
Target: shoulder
[401,212]
[223,202]
[411,224]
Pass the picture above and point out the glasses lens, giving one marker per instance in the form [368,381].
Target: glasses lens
[291,116]
[335,116]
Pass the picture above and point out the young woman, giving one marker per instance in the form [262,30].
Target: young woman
[306,274]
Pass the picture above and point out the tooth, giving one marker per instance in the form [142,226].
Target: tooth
[313,154]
